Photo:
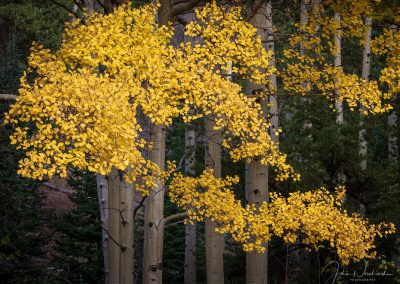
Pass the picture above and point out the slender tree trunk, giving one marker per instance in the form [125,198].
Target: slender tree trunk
[338,63]
[154,210]
[363,145]
[116,200]
[102,194]
[190,170]
[154,214]
[126,227]
[257,192]
[362,132]
[113,227]
[214,241]
[152,263]
[257,174]
[341,178]
[120,229]
[190,253]
[190,229]
[103,197]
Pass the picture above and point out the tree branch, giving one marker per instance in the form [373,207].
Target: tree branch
[181,7]
[163,221]
[65,8]
[175,216]
[139,205]
[5,97]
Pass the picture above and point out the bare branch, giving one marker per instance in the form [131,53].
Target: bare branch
[139,205]
[174,216]
[172,224]
[54,187]
[5,97]
[109,235]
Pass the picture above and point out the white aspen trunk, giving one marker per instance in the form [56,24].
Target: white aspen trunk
[126,227]
[214,241]
[190,229]
[362,133]
[366,65]
[257,192]
[257,174]
[272,100]
[338,63]
[341,178]
[154,207]
[102,189]
[102,194]
[190,253]
[154,213]
[190,170]
[113,227]
[120,228]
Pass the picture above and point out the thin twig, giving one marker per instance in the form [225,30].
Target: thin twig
[108,234]
[139,205]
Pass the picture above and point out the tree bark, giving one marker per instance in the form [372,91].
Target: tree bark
[341,178]
[154,214]
[214,241]
[366,65]
[338,64]
[190,229]
[190,170]
[257,174]
[102,194]
[154,210]
[116,198]
[5,97]
[126,227]
[113,227]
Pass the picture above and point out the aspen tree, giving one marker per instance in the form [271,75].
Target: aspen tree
[154,209]
[256,173]
[214,241]
[190,228]
[190,266]
[362,133]
[338,64]
[69,115]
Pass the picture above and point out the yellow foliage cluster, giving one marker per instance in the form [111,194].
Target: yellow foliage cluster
[82,106]
[388,44]
[317,216]
[312,70]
